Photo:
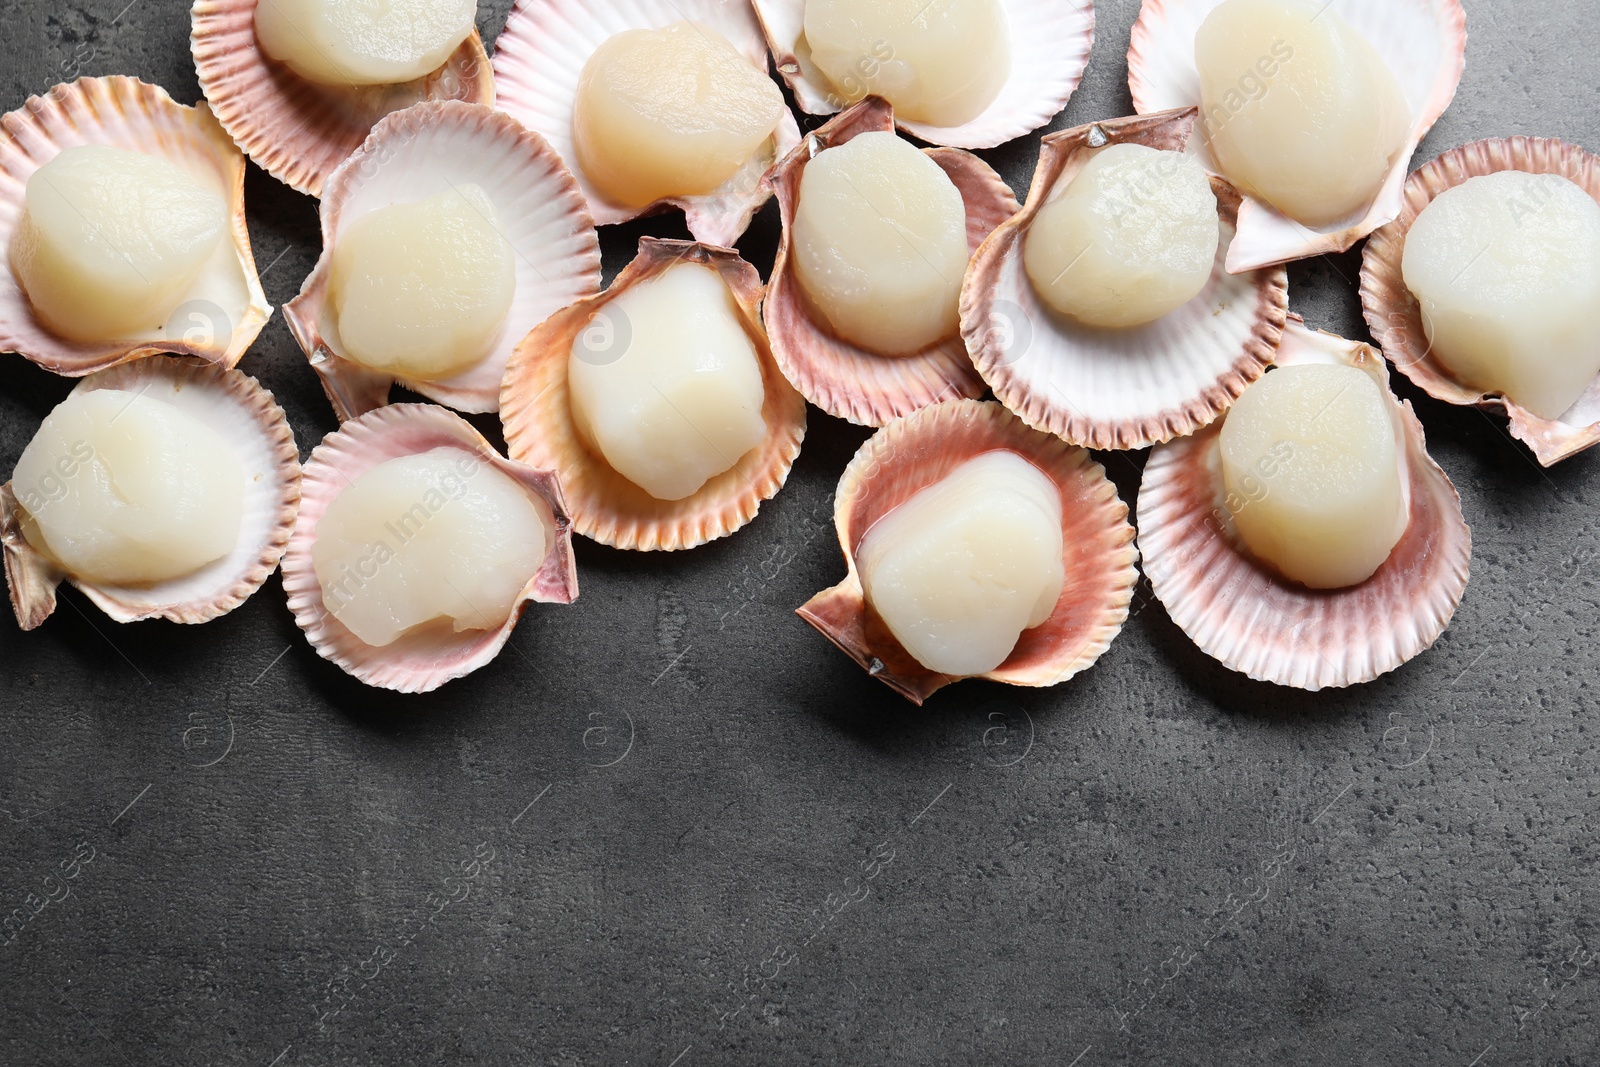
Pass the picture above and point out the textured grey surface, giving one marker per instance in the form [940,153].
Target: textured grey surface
[1159,863]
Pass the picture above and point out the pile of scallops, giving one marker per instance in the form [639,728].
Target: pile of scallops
[1290,518]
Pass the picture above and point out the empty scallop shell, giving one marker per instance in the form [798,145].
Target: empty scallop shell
[540,54]
[296,130]
[842,379]
[1395,317]
[1252,620]
[606,507]
[235,406]
[422,661]
[1050,45]
[914,453]
[225,309]
[1424,43]
[1118,389]
[417,153]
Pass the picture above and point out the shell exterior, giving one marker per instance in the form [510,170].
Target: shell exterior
[418,662]
[1118,389]
[238,408]
[420,152]
[846,381]
[294,129]
[1245,615]
[1097,543]
[226,308]
[1050,45]
[1424,43]
[606,507]
[1395,316]
[542,51]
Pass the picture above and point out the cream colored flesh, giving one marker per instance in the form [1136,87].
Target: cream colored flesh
[1312,473]
[665,383]
[422,290]
[363,42]
[880,244]
[110,240]
[127,490]
[942,63]
[436,538]
[961,569]
[1299,109]
[1132,237]
[1507,270]
[670,113]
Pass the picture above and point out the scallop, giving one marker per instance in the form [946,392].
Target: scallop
[1512,328]
[976,547]
[654,104]
[161,488]
[122,221]
[1132,362]
[446,238]
[864,298]
[299,85]
[418,547]
[1335,605]
[960,73]
[658,401]
[1319,176]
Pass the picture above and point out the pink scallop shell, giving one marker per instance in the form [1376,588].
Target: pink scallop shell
[1395,317]
[1424,42]
[1249,618]
[244,413]
[1118,389]
[225,310]
[842,379]
[606,507]
[417,663]
[542,51]
[294,129]
[1050,45]
[906,457]
[417,153]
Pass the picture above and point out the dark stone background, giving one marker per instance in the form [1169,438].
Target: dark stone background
[1086,872]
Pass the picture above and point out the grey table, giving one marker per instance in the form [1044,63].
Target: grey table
[715,840]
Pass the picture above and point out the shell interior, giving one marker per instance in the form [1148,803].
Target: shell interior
[842,379]
[542,51]
[1117,389]
[606,507]
[424,660]
[1424,43]
[1252,620]
[917,452]
[245,415]
[1395,317]
[223,311]
[420,152]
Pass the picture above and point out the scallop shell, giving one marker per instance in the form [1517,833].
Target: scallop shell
[1253,621]
[415,663]
[420,152]
[294,129]
[606,507]
[1050,45]
[1118,389]
[225,310]
[1424,42]
[846,381]
[235,406]
[1395,316]
[542,51]
[914,453]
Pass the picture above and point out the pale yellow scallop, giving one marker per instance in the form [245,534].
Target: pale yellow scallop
[363,42]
